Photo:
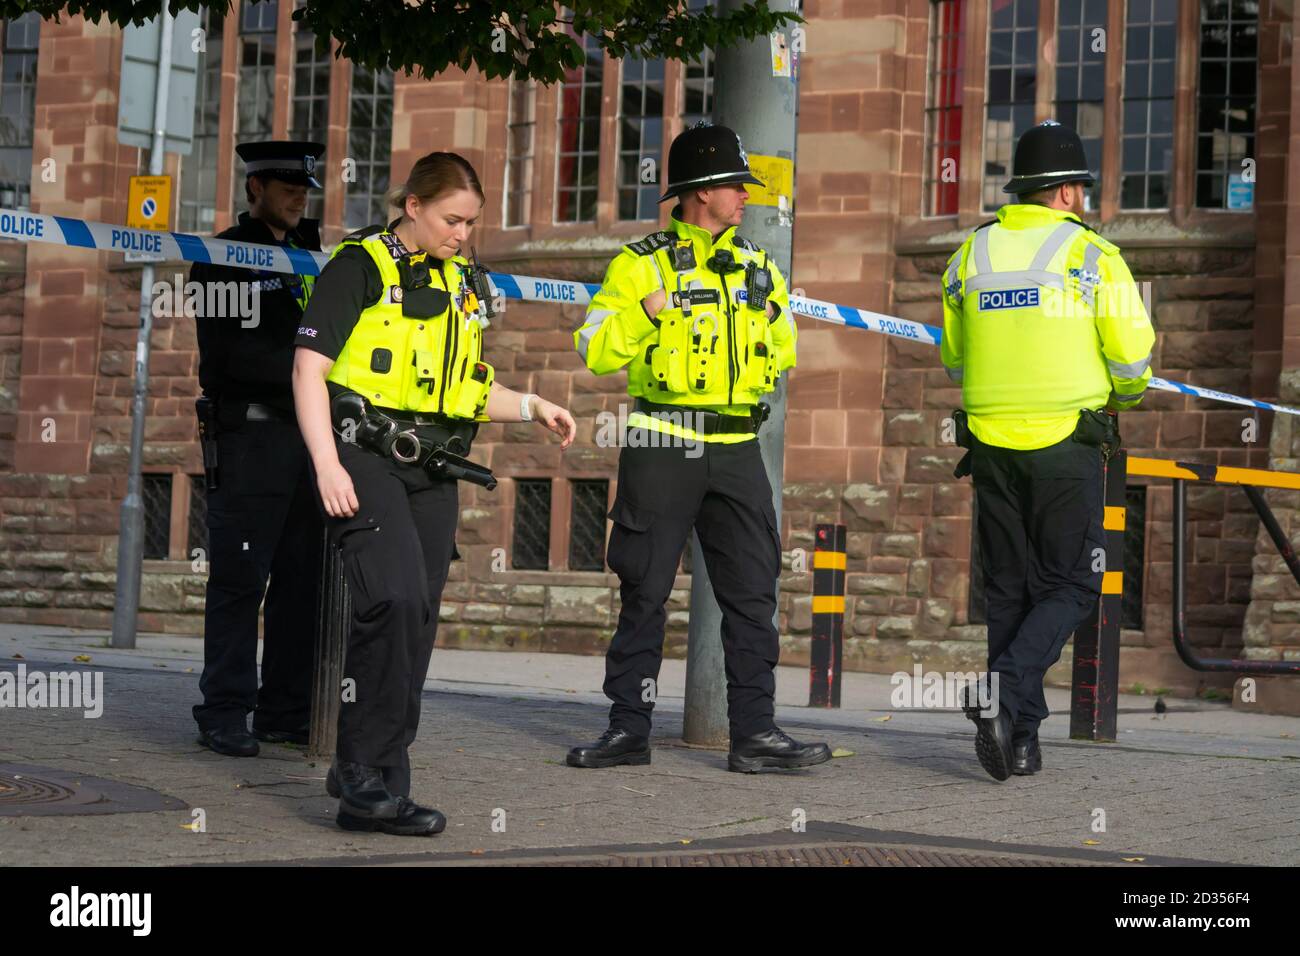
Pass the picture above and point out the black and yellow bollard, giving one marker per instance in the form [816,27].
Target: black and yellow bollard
[829,562]
[1094,688]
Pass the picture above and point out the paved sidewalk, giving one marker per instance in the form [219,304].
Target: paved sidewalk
[1199,783]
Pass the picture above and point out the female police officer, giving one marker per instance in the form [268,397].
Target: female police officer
[389,382]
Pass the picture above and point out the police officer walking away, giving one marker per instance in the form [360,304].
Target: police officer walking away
[262,517]
[1046,332]
[701,320]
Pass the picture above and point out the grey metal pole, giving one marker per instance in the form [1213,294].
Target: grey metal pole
[761,107]
[130,548]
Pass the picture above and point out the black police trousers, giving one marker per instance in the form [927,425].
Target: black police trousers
[725,496]
[397,550]
[263,523]
[1039,517]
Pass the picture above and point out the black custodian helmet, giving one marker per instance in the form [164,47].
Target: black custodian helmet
[1048,155]
[706,155]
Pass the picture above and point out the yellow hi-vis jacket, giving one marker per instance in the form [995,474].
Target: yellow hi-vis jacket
[706,348]
[1041,318]
[410,350]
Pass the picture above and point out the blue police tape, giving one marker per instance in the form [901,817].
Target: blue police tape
[64,231]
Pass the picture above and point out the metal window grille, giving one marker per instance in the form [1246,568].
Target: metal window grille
[641,137]
[198,183]
[156,491]
[1135,535]
[1226,100]
[1010,91]
[18,109]
[256,99]
[578,145]
[370,145]
[531,548]
[943,107]
[197,536]
[310,104]
[521,125]
[1147,149]
[697,84]
[587,517]
[1081,79]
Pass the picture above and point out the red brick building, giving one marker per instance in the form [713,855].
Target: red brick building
[907,113]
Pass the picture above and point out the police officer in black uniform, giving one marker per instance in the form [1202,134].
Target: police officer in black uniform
[262,517]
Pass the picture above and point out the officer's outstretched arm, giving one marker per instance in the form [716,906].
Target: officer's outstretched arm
[616,324]
[1125,331]
[784,330]
[952,346]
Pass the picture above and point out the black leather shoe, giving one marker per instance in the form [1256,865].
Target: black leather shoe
[361,791]
[774,748]
[294,735]
[231,741]
[614,748]
[411,820]
[1026,757]
[992,742]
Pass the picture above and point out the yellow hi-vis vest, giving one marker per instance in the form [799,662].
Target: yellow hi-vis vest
[1041,319]
[706,348]
[400,359]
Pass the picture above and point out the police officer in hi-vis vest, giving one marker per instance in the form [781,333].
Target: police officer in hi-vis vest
[1047,333]
[390,381]
[262,519]
[700,319]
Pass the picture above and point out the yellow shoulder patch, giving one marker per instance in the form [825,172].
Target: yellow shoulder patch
[1098,240]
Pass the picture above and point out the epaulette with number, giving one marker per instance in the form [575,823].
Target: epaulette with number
[656,240]
[364,233]
[744,243]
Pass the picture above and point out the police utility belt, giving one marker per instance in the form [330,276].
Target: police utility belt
[1098,429]
[438,446]
[706,421]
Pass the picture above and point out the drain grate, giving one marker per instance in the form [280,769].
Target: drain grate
[28,791]
[820,855]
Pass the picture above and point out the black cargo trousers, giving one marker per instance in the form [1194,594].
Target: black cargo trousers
[263,525]
[396,550]
[722,492]
[1039,526]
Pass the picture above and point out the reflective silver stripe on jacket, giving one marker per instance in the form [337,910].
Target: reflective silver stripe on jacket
[594,321]
[1128,369]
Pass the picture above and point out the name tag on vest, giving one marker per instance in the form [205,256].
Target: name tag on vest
[1009,298]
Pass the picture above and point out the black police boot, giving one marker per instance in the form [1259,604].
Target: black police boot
[1026,757]
[231,741]
[283,735]
[774,748]
[614,748]
[361,791]
[992,741]
[411,820]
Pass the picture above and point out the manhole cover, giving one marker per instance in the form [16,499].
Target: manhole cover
[824,855]
[27,791]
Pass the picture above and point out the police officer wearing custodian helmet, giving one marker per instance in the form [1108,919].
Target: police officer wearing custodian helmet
[1048,336]
[701,321]
[389,381]
[262,518]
